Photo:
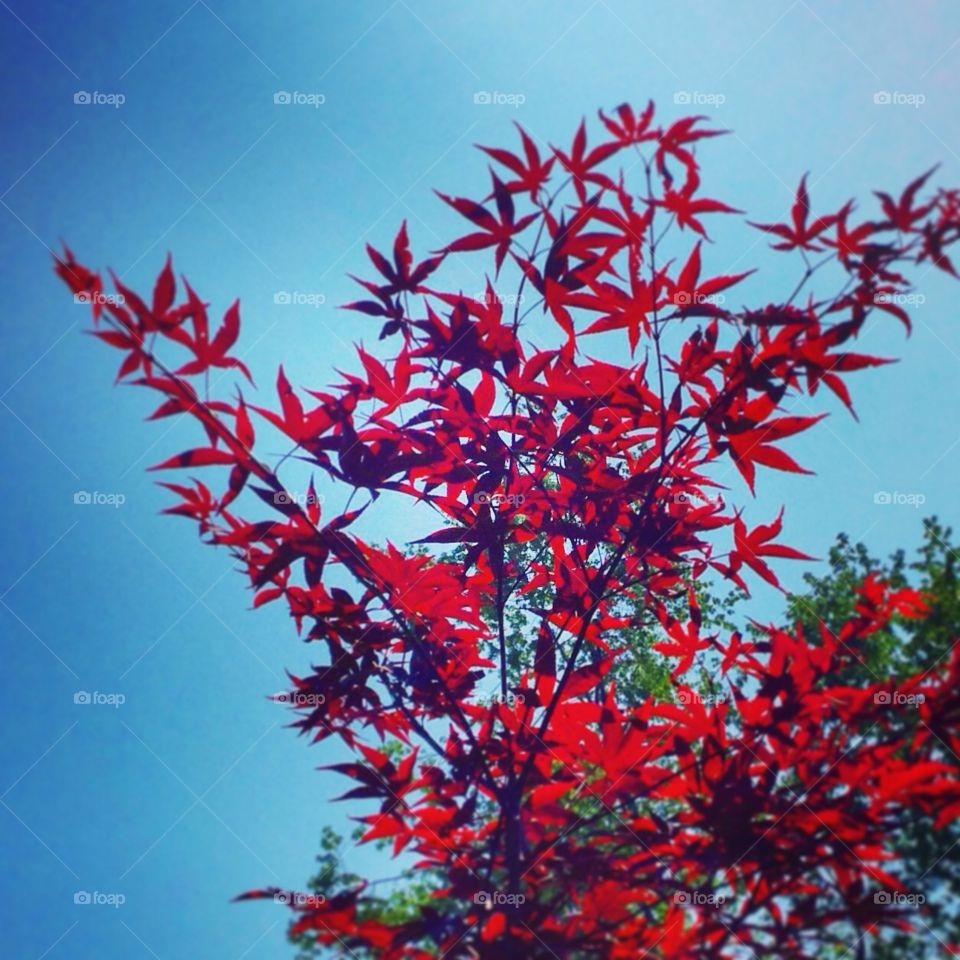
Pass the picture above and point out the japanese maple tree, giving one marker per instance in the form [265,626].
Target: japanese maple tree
[569,431]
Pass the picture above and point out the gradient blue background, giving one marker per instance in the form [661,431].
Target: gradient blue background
[193,790]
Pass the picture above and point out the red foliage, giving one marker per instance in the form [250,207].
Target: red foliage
[592,827]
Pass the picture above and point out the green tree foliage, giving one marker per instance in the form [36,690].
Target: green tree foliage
[930,859]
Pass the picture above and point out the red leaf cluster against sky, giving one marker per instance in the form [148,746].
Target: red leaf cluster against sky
[610,829]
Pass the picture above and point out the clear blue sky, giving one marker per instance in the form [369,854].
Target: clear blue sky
[192,790]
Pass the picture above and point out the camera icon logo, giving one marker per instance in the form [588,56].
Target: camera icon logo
[481,897]
[882,696]
[82,497]
[681,897]
[282,96]
[882,497]
[82,96]
[82,898]
[682,96]
[81,697]
[882,897]
[282,297]
[482,97]
[882,97]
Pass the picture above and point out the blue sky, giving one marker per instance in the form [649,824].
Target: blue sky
[192,790]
